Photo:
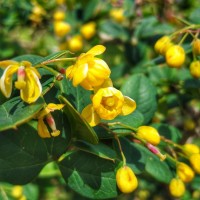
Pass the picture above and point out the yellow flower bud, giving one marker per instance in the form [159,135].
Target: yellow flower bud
[195,162]
[75,43]
[196,46]
[175,56]
[149,134]
[190,149]
[185,173]
[117,14]
[176,187]
[162,45]
[59,15]
[17,191]
[61,28]
[195,69]
[88,30]
[126,179]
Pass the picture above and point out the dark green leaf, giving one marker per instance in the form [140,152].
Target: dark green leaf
[79,127]
[31,58]
[15,112]
[101,150]
[139,88]
[89,175]
[22,154]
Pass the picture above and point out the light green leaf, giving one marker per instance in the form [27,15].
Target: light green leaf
[89,175]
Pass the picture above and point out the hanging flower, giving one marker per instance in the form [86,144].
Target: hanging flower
[27,80]
[89,71]
[43,130]
[107,103]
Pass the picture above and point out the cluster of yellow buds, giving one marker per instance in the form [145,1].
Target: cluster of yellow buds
[175,54]
[38,13]
[93,74]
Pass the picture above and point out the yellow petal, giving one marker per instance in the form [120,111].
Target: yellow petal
[129,106]
[97,50]
[55,133]
[90,115]
[80,74]
[6,80]
[53,106]
[33,88]
[6,63]
[70,72]
[43,131]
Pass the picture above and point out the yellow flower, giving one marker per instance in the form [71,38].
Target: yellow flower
[28,81]
[195,162]
[59,15]
[89,71]
[17,191]
[190,149]
[196,46]
[46,113]
[88,30]
[176,187]
[195,68]
[107,103]
[75,43]
[184,172]
[126,179]
[148,133]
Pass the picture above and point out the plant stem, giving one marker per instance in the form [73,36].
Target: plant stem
[58,60]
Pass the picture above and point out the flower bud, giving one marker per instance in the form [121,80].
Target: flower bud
[176,187]
[190,149]
[59,15]
[156,151]
[162,45]
[17,191]
[149,134]
[175,56]
[75,43]
[126,179]
[195,69]
[195,162]
[185,173]
[196,46]
[61,28]
[88,30]
[117,14]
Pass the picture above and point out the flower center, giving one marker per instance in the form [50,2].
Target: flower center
[108,101]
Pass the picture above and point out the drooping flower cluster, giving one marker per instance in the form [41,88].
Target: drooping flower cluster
[93,74]
[27,80]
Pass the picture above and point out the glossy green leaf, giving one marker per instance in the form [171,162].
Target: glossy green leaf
[22,154]
[79,127]
[89,175]
[101,150]
[15,112]
[28,57]
[139,88]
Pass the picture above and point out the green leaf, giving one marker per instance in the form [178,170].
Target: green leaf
[141,160]
[31,58]
[139,88]
[15,112]
[89,9]
[101,150]
[22,154]
[79,127]
[77,96]
[89,175]
[113,30]
[134,120]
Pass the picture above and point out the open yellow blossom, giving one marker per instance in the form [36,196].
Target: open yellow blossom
[27,80]
[46,113]
[107,103]
[89,71]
